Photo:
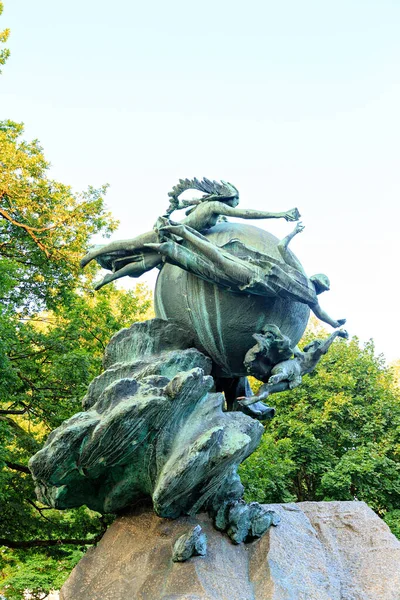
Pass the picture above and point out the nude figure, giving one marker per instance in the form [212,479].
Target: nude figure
[288,374]
[229,266]
[134,257]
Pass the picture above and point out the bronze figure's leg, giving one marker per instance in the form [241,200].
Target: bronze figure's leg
[235,269]
[239,386]
[198,241]
[186,259]
[264,392]
[132,245]
[143,263]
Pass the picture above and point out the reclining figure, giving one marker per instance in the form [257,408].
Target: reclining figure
[134,257]
[242,269]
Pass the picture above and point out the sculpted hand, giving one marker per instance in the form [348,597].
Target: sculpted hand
[299,228]
[246,401]
[161,222]
[292,215]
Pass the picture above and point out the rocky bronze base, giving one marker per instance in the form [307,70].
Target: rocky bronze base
[319,551]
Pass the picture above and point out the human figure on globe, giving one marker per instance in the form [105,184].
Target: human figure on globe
[288,374]
[239,268]
[134,257]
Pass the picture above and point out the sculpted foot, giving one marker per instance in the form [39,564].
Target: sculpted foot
[257,410]
[338,323]
[103,282]
[243,401]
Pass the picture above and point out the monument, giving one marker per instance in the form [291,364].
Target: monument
[172,415]
[155,423]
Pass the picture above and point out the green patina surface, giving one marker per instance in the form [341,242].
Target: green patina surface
[155,423]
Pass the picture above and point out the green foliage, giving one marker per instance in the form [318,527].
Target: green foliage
[38,572]
[395,366]
[267,473]
[44,226]
[392,519]
[4,52]
[53,331]
[337,436]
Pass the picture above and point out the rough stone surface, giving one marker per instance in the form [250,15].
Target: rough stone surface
[147,338]
[319,551]
[153,428]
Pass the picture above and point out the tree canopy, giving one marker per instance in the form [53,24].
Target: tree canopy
[44,226]
[336,437]
[53,331]
[4,52]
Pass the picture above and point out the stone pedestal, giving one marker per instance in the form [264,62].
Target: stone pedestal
[320,551]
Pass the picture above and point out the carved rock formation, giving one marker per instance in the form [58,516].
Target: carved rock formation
[320,551]
[153,428]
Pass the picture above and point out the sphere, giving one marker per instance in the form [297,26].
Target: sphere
[221,322]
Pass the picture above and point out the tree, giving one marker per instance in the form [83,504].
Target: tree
[4,52]
[56,355]
[337,436]
[43,226]
[395,366]
[53,331]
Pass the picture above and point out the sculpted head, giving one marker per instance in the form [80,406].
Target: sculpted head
[232,201]
[321,283]
[272,338]
[271,347]
[312,346]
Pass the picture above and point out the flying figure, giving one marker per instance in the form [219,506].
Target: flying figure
[288,374]
[239,268]
[135,256]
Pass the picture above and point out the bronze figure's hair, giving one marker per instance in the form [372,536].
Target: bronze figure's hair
[213,190]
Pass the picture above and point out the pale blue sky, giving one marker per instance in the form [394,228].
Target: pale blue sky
[296,103]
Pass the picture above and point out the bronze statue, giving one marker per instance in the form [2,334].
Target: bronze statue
[241,269]
[164,419]
[287,375]
[134,257]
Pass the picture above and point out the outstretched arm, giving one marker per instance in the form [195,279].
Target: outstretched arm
[248,213]
[324,347]
[323,316]
[287,256]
